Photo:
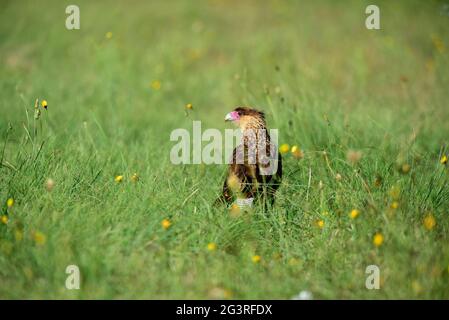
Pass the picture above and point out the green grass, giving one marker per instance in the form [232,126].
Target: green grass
[325,81]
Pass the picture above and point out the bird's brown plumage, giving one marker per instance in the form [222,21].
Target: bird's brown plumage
[245,178]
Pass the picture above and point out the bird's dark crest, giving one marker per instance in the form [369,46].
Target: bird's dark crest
[246,111]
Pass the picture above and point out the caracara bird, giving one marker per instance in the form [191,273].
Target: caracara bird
[255,171]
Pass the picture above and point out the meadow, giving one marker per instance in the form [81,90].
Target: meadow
[88,180]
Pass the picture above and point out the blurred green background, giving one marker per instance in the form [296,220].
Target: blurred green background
[117,87]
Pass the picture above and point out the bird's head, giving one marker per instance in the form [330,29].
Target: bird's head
[246,118]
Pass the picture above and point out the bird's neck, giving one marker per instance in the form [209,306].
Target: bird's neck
[254,124]
[252,132]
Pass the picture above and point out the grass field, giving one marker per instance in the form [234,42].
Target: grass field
[368,108]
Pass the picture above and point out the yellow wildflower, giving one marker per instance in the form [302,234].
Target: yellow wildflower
[166,224]
[429,222]
[10,202]
[405,168]
[4,219]
[211,246]
[44,104]
[297,153]
[320,224]
[108,35]
[118,179]
[394,205]
[256,258]
[234,211]
[155,84]
[443,159]
[378,239]
[134,177]
[354,213]
[39,238]
[284,148]
[189,106]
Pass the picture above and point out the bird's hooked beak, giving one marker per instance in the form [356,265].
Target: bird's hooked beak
[232,116]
